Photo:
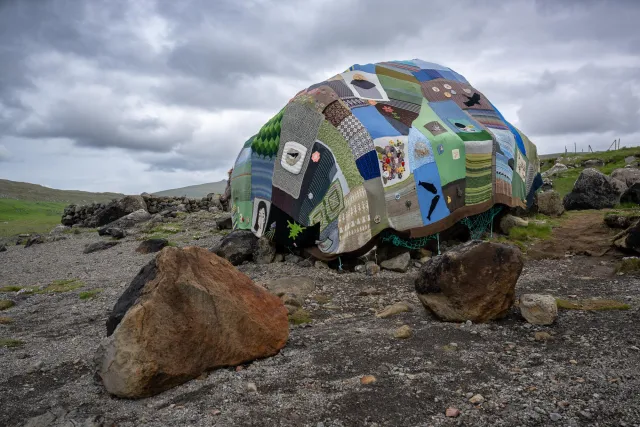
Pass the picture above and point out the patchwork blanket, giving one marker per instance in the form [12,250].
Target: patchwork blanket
[403,145]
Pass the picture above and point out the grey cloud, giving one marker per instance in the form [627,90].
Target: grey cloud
[5,155]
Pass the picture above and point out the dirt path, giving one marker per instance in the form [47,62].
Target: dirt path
[579,233]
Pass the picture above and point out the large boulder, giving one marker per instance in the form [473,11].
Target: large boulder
[126,221]
[117,209]
[550,203]
[593,190]
[629,176]
[237,246]
[186,312]
[473,281]
[632,195]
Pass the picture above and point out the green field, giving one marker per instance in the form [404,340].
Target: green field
[21,216]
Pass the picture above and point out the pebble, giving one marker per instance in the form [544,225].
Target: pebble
[573,361]
[452,412]
[252,387]
[477,399]
[402,332]
[542,336]
[368,379]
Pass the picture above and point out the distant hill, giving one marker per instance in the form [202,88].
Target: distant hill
[38,193]
[195,191]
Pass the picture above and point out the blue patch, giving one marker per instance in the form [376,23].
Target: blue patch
[369,68]
[426,75]
[433,206]
[420,151]
[448,74]
[376,124]
[451,113]
[368,165]
[261,176]
[513,130]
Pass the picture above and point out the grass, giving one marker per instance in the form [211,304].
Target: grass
[27,217]
[168,228]
[530,232]
[89,294]
[6,304]
[59,286]
[5,320]
[628,265]
[10,343]
[10,289]
[299,317]
[592,304]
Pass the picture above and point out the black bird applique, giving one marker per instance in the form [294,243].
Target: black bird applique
[428,186]
[472,100]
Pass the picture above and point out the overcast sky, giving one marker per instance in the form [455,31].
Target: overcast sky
[144,95]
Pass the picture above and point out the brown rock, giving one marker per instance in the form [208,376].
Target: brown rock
[402,332]
[473,281]
[299,286]
[550,203]
[396,308]
[189,311]
[368,379]
[542,336]
[452,412]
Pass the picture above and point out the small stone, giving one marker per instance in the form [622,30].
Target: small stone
[452,412]
[542,336]
[371,268]
[573,362]
[402,332]
[396,308]
[538,309]
[468,323]
[477,399]
[239,368]
[251,387]
[368,379]
[563,404]
[216,412]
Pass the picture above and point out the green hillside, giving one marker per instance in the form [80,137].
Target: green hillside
[23,216]
[37,193]
[195,191]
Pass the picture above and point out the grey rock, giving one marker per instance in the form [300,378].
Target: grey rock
[593,190]
[630,159]
[298,286]
[632,194]
[550,203]
[539,309]
[509,221]
[152,245]
[126,221]
[292,259]
[556,169]
[629,176]
[34,240]
[224,222]
[237,246]
[99,246]
[400,263]
[593,163]
[371,268]
[264,251]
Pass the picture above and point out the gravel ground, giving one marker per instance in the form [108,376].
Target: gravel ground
[585,375]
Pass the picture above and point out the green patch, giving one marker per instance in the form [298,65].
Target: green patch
[299,317]
[5,320]
[59,286]
[628,265]
[6,304]
[592,304]
[10,343]
[450,348]
[629,205]
[530,232]
[26,217]
[89,294]
[505,240]
[10,289]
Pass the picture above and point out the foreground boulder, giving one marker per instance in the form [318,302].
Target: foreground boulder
[538,309]
[632,195]
[473,281]
[399,263]
[629,176]
[237,246]
[594,190]
[186,312]
[550,203]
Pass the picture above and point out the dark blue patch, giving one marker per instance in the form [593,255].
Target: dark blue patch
[368,165]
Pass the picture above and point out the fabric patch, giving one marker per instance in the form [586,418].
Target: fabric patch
[261,175]
[316,182]
[354,221]
[336,112]
[267,141]
[342,153]
[454,193]
[341,88]
[435,127]
[487,118]
[374,122]
[521,166]
[361,143]
[398,125]
[364,85]
[300,125]
[433,206]
[350,126]
[329,239]
[293,156]
[420,151]
[402,206]
[368,165]
[401,89]
[260,216]
[329,208]
[479,167]
[394,164]
[377,207]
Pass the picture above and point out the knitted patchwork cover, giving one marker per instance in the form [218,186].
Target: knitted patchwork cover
[405,145]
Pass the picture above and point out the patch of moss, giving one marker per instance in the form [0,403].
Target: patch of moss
[5,320]
[165,229]
[9,343]
[628,265]
[59,286]
[6,304]
[89,294]
[299,317]
[531,231]
[10,288]
[592,304]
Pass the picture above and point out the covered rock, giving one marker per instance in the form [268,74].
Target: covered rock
[632,195]
[629,176]
[593,190]
[550,203]
[538,309]
[237,246]
[473,281]
[188,311]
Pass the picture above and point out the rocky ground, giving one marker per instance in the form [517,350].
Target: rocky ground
[583,372]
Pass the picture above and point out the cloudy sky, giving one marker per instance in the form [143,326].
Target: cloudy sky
[144,95]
